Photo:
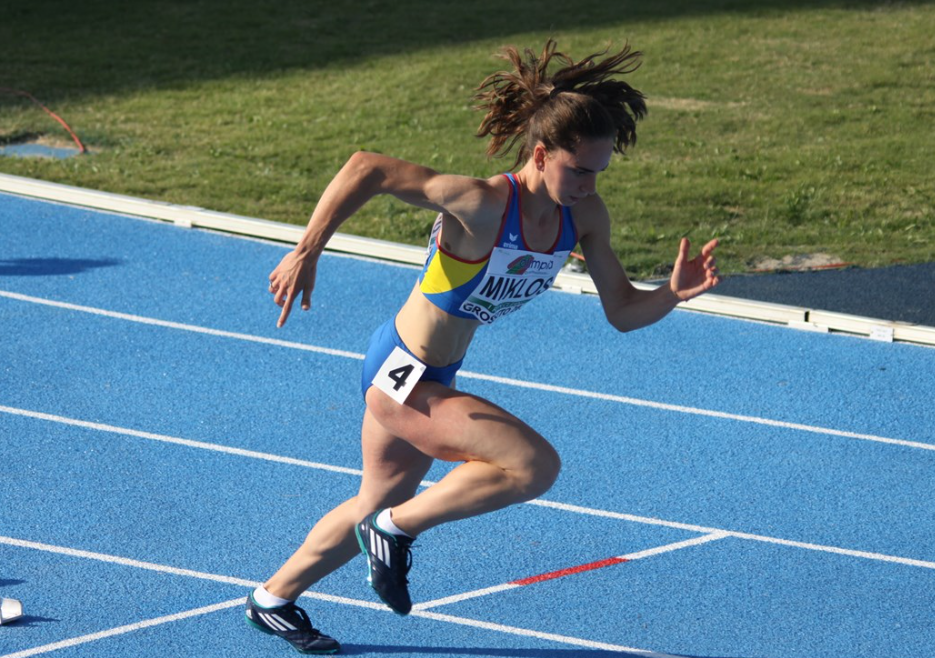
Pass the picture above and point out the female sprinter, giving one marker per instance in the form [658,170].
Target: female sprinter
[497,243]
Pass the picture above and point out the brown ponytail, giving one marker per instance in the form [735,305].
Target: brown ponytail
[578,101]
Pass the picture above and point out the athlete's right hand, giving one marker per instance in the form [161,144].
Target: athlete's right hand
[295,274]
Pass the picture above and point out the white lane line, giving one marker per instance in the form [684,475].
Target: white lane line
[696,411]
[676,546]
[201,445]
[464,596]
[866,555]
[524,632]
[121,630]
[564,390]
[565,507]
[561,573]
[183,327]
[173,571]
[126,562]
[462,621]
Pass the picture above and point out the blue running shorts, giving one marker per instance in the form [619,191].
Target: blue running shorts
[382,343]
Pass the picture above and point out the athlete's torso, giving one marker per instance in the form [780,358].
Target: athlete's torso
[502,282]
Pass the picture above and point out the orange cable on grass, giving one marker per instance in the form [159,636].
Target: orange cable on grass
[17,92]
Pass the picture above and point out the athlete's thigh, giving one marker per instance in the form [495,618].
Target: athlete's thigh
[393,468]
[456,426]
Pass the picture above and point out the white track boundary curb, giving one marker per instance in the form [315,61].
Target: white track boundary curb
[190,216]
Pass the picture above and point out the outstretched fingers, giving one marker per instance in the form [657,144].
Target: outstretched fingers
[694,276]
[710,262]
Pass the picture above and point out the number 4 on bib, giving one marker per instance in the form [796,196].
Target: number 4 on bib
[399,374]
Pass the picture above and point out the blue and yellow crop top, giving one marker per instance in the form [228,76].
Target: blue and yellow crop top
[502,281]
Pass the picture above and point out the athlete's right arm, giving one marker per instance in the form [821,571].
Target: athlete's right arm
[364,176]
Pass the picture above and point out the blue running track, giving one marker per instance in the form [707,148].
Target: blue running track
[730,489]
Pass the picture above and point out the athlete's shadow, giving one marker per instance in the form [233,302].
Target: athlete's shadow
[52,266]
[381,650]
[384,650]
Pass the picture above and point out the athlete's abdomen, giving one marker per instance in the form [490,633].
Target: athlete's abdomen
[435,336]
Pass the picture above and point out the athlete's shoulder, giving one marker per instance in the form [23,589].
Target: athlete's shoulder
[469,198]
[494,191]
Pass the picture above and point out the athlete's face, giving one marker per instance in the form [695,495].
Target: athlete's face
[570,177]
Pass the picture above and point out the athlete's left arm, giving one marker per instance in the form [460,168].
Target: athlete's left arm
[627,307]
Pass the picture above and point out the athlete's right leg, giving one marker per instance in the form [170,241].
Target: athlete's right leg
[503,460]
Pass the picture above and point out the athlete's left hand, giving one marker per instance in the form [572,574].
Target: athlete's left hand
[691,278]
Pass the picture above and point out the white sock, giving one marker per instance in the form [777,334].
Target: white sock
[385,521]
[266,600]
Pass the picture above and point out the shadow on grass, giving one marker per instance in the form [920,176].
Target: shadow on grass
[61,48]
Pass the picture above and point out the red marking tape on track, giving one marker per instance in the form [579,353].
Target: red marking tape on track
[590,566]
[600,564]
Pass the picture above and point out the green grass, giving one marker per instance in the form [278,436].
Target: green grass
[782,128]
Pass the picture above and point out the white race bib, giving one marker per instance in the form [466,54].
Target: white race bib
[513,278]
[399,374]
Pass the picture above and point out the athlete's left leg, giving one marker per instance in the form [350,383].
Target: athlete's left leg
[393,470]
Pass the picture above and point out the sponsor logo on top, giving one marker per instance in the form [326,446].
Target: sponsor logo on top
[528,262]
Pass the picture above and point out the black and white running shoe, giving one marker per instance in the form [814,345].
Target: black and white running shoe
[291,624]
[389,559]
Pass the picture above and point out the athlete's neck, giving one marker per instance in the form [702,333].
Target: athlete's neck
[538,205]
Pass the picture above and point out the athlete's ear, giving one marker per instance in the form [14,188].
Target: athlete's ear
[539,155]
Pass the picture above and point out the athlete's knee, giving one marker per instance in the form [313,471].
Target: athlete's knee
[538,474]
